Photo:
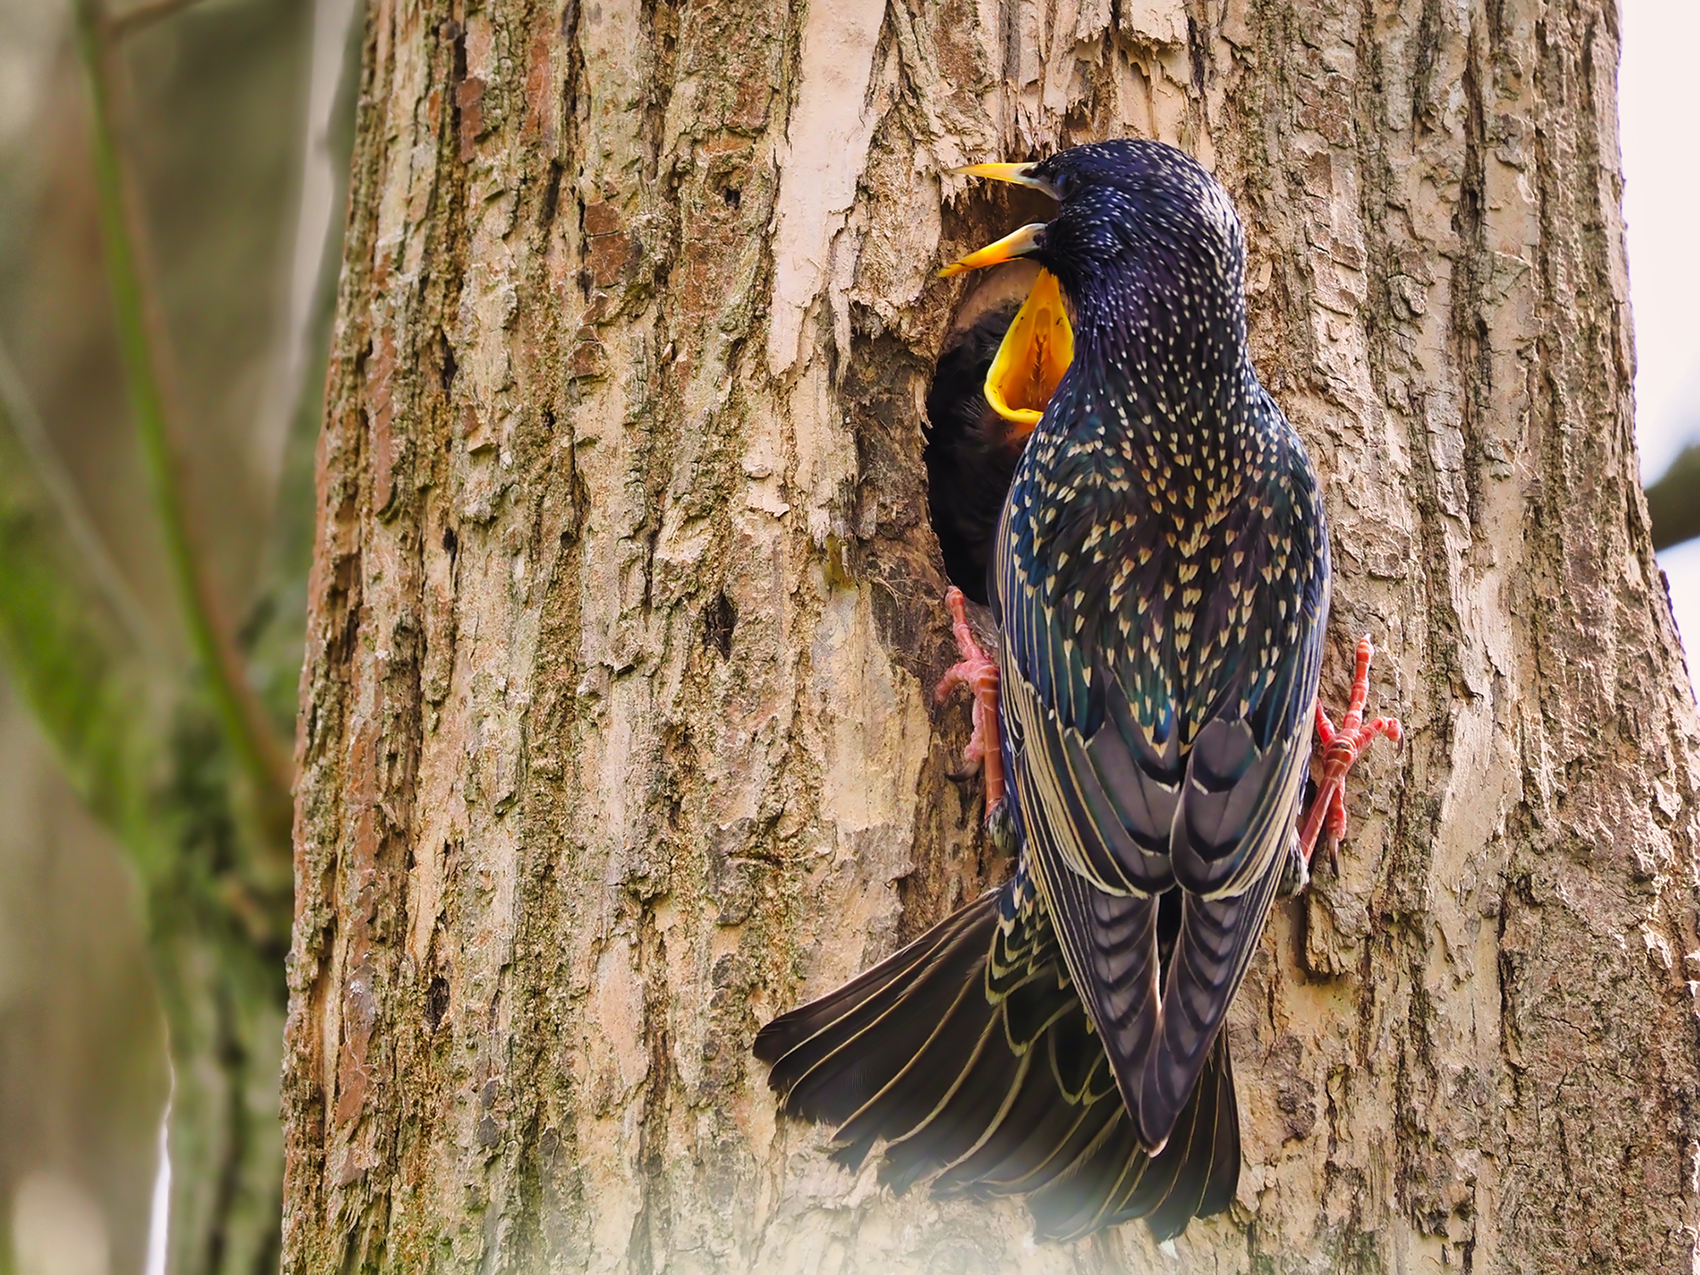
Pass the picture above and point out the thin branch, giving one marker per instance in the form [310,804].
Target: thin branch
[240,713]
[137,16]
[1673,502]
[19,412]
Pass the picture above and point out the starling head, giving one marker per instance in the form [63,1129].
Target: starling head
[1140,225]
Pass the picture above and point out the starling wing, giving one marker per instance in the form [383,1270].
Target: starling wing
[1157,745]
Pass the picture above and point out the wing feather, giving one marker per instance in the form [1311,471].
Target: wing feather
[1123,802]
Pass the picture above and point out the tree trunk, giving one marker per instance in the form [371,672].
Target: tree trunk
[616,734]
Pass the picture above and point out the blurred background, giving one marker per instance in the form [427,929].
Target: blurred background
[150,628]
[1658,107]
[131,810]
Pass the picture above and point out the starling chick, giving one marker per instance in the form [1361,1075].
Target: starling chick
[1160,574]
[980,415]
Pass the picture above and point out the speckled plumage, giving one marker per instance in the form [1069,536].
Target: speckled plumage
[1162,576]
[1160,573]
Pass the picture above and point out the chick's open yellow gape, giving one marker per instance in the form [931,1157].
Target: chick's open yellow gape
[1039,345]
[1035,353]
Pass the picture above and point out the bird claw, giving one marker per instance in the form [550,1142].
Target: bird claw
[1295,877]
[1341,747]
[979,672]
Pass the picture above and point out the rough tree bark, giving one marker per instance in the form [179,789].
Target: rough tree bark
[616,735]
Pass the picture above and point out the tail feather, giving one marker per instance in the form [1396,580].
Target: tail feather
[1224,1177]
[831,1056]
[970,1054]
[1030,1146]
[974,1111]
[1077,1202]
[947,1068]
[1045,1159]
[1078,1062]
[1033,1006]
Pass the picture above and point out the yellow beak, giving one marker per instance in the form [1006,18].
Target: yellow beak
[1020,174]
[1011,246]
[1035,353]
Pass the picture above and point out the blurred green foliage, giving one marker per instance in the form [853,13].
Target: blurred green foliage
[165,297]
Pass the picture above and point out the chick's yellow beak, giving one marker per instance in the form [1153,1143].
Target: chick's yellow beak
[1039,345]
[1035,353]
[1011,246]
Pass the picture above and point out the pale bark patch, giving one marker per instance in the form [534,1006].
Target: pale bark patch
[821,160]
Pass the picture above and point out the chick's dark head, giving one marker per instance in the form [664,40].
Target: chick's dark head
[1136,220]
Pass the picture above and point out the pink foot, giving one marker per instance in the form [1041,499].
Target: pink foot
[1339,750]
[979,672]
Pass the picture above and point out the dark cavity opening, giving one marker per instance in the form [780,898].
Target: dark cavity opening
[436,1002]
[719,618]
[448,367]
[551,195]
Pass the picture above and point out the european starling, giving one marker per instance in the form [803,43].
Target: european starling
[1161,578]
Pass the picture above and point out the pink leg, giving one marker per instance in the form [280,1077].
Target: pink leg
[1339,750]
[979,672]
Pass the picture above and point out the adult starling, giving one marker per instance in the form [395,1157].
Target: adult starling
[1161,577]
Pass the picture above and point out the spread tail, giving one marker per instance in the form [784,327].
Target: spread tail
[969,1054]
